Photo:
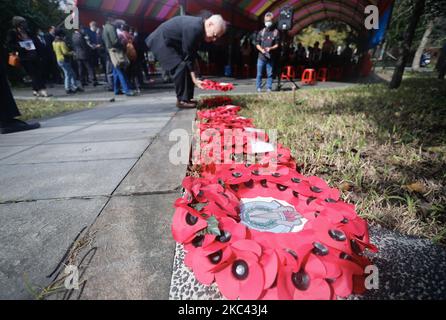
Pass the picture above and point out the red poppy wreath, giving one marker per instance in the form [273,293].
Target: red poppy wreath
[218,86]
[263,231]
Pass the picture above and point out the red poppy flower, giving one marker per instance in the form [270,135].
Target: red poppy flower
[244,277]
[185,225]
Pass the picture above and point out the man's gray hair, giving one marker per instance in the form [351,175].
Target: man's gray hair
[269,15]
[218,21]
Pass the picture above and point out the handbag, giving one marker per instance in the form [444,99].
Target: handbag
[14,60]
[131,52]
[118,58]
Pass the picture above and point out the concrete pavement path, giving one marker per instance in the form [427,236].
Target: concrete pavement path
[62,181]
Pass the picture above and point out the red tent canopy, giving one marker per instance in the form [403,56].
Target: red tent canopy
[244,14]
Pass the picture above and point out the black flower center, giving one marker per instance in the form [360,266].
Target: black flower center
[345,256]
[301,280]
[295,180]
[198,241]
[310,199]
[240,269]
[215,257]
[190,219]
[337,235]
[249,184]
[355,247]
[224,237]
[319,249]
[256,172]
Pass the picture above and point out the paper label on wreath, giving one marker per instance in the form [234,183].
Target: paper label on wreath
[270,215]
[260,146]
[27,45]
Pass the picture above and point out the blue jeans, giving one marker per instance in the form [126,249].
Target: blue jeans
[70,82]
[118,76]
[269,73]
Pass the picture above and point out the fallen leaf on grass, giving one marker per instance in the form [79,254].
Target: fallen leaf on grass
[346,186]
[416,187]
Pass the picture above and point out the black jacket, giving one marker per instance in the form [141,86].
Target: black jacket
[12,43]
[177,40]
[81,49]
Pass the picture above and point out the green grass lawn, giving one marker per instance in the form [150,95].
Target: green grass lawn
[41,109]
[385,150]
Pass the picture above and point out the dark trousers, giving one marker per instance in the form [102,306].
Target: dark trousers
[83,65]
[109,72]
[184,87]
[34,70]
[8,107]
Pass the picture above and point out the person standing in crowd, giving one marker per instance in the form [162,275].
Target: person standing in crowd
[82,53]
[141,50]
[328,49]
[347,55]
[53,68]
[267,43]
[102,54]
[175,44]
[127,41]
[20,40]
[93,41]
[63,55]
[47,56]
[315,55]
[8,106]
[115,47]
[301,55]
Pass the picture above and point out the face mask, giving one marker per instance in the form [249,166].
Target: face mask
[268,24]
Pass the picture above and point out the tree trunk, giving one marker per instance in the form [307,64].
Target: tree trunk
[422,46]
[407,43]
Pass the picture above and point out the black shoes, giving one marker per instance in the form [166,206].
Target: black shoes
[15,125]
[186,104]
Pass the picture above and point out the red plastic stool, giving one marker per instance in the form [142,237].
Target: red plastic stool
[289,73]
[322,74]
[309,76]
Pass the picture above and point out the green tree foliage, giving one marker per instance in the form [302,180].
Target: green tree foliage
[434,10]
[39,13]
[339,33]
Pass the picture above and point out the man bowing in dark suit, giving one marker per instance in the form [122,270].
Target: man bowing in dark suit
[175,44]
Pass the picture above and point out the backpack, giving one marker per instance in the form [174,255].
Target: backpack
[131,52]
